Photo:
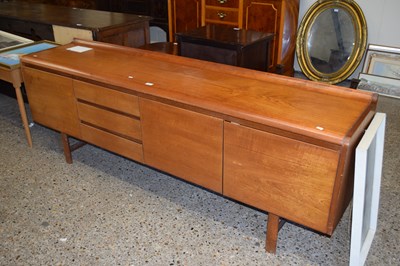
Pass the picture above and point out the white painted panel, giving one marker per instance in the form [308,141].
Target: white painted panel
[367,182]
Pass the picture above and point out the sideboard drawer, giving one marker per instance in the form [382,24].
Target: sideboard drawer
[111,142]
[110,121]
[222,16]
[223,3]
[110,98]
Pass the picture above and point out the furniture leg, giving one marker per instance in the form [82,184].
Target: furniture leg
[67,149]
[22,110]
[272,233]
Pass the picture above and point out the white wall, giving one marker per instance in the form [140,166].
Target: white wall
[383,22]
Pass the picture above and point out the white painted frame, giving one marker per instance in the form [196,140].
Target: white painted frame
[367,183]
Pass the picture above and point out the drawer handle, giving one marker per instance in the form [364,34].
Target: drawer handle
[221,15]
[222,1]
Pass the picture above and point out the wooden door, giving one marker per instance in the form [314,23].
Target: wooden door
[183,15]
[183,143]
[287,177]
[52,101]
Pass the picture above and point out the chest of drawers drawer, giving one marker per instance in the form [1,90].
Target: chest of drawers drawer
[222,16]
[223,3]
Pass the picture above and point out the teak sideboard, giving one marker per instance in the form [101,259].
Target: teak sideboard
[282,145]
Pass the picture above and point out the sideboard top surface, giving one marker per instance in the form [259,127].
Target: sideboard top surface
[324,112]
[67,16]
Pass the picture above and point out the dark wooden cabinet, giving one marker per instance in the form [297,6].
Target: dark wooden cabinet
[184,15]
[27,29]
[157,9]
[61,24]
[223,44]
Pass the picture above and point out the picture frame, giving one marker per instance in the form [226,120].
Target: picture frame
[8,41]
[381,71]
[382,61]
[384,86]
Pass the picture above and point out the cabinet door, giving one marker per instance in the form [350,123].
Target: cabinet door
[286,177]
[183,143]
[183,15]
[52,101]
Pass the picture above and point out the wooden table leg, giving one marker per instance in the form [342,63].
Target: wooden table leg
[22,110]
[272,233]
[67,149]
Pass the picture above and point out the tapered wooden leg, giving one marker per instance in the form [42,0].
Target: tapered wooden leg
[272,233]
[21,105]
[67,149]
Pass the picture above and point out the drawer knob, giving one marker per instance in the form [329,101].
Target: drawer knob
[221,15]
[222,1]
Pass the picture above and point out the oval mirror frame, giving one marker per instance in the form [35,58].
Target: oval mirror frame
[360,40]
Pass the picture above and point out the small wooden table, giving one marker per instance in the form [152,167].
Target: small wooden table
[10,71]
[227,45]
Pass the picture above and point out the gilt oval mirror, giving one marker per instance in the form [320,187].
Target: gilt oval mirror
[331,40]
